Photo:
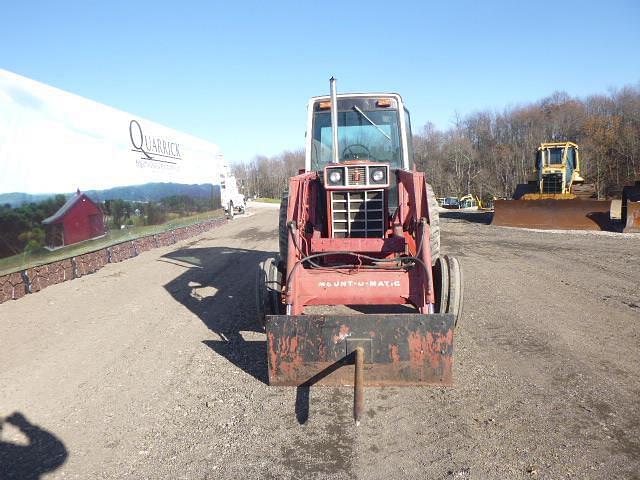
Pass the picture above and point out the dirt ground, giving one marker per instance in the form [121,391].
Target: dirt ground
[156,368]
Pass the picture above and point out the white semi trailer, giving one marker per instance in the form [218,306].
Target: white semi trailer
[232,200]
[52,141]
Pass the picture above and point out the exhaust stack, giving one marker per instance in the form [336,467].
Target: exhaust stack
[335,153]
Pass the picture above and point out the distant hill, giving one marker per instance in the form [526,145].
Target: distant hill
[16,199]
[148,192]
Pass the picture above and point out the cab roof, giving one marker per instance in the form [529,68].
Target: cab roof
[324,98]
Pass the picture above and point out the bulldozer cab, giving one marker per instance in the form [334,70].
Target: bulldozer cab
[557,154]
[371,127]
[557,167]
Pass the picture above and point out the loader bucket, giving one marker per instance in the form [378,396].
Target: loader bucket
[553,214]
[632,224]
[399,349]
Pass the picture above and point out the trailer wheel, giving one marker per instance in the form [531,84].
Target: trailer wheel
[283,237]
[441,284]
[456,288]
[434,225]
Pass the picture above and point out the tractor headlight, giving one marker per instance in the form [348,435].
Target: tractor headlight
[335,177]
[378,175]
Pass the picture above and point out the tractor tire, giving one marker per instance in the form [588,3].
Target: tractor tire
[268,290]
[441,284]
[434,225]
[262,305]
[274,288]
[283,234]
[456,288]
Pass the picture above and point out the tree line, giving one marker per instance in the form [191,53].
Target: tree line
[488,153]
[268,176]
[21,228]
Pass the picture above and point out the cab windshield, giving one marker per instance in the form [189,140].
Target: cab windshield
[372,135]
[554,156]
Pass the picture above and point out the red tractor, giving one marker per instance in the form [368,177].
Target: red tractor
[359,227]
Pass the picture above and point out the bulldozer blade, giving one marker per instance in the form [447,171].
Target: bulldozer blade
[553,214]
[399,349]
[632,224]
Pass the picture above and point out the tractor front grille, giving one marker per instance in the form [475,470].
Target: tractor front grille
[357,175]
[357,214]
[552,183]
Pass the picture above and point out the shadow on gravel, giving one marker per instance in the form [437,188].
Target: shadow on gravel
[43,453]
[471,217]
[218,285]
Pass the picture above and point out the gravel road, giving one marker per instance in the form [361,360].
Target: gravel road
[156,368]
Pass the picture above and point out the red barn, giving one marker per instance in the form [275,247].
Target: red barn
[77,220]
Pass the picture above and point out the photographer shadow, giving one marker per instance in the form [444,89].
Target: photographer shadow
[44,452]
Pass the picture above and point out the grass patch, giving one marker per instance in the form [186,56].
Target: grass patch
[42,256]
[266,200]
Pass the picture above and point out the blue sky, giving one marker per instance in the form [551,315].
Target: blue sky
[239,73]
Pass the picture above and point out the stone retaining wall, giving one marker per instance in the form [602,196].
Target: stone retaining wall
[45,275]
[90,262]
[16,285]
[12,286]
[121,252]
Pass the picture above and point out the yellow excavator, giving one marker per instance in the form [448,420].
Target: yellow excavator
[557,197]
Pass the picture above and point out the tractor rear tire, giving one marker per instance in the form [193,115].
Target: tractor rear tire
[434,225]
[283,234]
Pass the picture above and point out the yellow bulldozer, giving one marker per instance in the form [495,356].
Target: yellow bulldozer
[557,197]
[557,171]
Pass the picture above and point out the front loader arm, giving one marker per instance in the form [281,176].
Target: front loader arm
[413,215]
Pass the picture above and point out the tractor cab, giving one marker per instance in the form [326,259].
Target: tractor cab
[373,138]
[371,127]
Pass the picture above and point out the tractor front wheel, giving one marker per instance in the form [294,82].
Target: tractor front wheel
[448,286]
[456,288]
[441,284]
[268,290]
[261,295]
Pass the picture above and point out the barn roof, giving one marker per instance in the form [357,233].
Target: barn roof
[65,208]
